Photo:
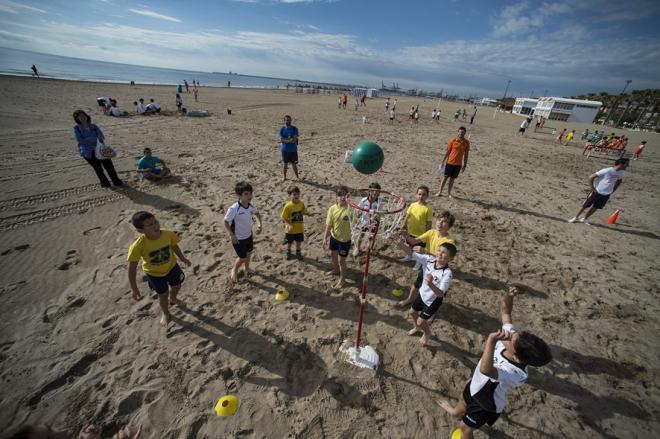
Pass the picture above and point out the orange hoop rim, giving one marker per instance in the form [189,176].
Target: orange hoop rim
[402,200]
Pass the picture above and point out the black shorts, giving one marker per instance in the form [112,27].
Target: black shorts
[475,416]
[244,247]
[452,170]
[420,278]
[595,199]
[340,247]
[289,157]
[426,311]
[522,130]
[291,237]
[173,278]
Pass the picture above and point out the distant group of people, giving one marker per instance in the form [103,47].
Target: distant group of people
[109,107]
[152,107]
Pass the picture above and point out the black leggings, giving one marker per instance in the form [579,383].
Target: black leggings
[98,166]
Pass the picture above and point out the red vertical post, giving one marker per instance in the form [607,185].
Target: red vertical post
[365,277]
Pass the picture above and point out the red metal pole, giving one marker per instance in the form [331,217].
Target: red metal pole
[365,276]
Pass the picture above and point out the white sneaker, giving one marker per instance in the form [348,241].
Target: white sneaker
[584,221]
[405,259]
[572,220]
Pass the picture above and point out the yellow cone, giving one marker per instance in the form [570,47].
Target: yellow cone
[397,292]
[456,434]
[226,406]
[281,295]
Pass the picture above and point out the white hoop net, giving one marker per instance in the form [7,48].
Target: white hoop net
[380,216]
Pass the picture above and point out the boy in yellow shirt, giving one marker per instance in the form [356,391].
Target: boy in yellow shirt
[338,226]
[419,217]
[429,242]
[158,250]
[292,215]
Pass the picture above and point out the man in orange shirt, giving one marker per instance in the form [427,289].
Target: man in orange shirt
[455,160]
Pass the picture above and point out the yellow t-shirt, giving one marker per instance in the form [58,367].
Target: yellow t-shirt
[294,212]
[418,216]
[339,222]
[156,254]
[433,240]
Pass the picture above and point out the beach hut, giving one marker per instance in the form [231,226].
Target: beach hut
[567,110]
[524,106]
[372,93]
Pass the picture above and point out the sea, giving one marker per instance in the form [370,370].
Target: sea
[18,62]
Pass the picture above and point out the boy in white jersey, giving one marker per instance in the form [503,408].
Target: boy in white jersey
[503,365]
[238,223]
[369,202]
[436,279]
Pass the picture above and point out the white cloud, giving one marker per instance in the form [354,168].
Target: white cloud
[152,14]
[15,8]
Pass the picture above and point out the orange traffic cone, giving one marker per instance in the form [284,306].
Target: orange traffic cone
[612,218]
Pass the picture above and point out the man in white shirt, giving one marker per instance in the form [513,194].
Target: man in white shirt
[503,365]
[603,184]
[139,107]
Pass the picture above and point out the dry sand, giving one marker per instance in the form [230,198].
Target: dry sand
[74,347]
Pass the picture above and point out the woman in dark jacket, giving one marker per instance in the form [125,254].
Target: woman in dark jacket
[87,134]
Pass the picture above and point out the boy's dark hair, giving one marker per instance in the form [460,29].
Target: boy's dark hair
[293,189]
[341,190]
[462,128]
[242,186]
[424,188]
[134,102]
[532,350]
[451,249]
[644,142]
[449,217]
[621,161]
[146,149]
[78,113]
[374,185]
[139,218]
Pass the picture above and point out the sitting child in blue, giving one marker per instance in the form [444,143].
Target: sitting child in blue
[148,166]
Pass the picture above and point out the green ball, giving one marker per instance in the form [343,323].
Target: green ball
[367,157]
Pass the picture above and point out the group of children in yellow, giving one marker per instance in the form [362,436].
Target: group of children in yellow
[507,352]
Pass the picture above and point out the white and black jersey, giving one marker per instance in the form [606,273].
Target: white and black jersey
[240,219]
[441,277]
[490,394]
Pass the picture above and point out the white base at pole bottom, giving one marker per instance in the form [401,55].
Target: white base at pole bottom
[365,357]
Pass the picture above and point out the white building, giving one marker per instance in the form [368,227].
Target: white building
[524,106]
[487,102]
[567,110]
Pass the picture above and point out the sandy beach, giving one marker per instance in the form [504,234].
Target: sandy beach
[75,348]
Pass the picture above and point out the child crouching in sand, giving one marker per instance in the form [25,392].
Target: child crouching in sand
[503,365]
[158,250]
[437,277]
[238,223]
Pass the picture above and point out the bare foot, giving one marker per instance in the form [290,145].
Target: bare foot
[447,407]
[424,340]
[438,194]
[233,278]
[164,320]
[414,331]
[332,273]
[449,195]
[175,301]
[339,284]
[402,304]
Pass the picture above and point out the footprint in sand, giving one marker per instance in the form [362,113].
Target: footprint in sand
[71,259]
[18,248]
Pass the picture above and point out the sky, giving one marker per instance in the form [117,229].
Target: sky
[466,47]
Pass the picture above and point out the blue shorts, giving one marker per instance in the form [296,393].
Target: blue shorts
[290,157]
[340,247]
[175,277]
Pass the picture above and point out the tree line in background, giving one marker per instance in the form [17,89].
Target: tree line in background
[637,109]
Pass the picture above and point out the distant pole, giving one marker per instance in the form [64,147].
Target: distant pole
[616,103]
[531,95]
[508,83]
[628,81]
[545,93]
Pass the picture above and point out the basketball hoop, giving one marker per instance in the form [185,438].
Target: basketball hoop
[375,218]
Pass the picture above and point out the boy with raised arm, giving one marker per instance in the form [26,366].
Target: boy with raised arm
[158,249]
[436,279]
[238,224]
[504,364]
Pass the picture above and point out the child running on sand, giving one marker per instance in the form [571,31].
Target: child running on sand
[238,224]
[503,365]
[294,229]
[419,217]
[639,149]
[430,242]
[369,202]
[338,227]
[437,277]
[157,249]
[560,137]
